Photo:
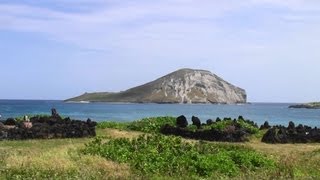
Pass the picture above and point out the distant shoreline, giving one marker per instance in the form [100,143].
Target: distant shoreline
[62,100]
[312,105]
[85,102]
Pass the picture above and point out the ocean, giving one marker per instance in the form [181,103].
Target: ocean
[274,113]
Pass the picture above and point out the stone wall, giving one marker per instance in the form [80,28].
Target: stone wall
[232,133]
[46,127]
[292,134]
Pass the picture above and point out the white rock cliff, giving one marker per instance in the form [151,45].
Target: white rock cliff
[182,86]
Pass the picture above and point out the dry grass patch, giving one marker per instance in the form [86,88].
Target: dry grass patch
[58,159]
[116,133]
[107,169]
[283,149]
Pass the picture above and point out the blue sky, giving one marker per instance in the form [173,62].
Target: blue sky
[56,49]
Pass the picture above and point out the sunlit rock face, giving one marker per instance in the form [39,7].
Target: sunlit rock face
[182,86]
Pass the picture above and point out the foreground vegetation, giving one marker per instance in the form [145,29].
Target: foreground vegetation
[121,151]
[147,125]
[158,155]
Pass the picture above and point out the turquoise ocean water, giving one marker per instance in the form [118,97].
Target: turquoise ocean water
[275,113]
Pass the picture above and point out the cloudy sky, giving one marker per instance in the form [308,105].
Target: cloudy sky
[56,49]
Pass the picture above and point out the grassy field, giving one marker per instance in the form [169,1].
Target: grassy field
[62,159]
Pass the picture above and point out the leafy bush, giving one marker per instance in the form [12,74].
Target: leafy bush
[249,127]
[192,128]
[220,125]
[148,125]
[153,155]
[152,124]
[240,122]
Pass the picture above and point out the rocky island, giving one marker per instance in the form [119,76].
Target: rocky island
[181,86]
[312,105]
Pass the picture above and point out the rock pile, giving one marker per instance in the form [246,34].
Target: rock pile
[231,133]
[292,134]
[46,127]
[265,125]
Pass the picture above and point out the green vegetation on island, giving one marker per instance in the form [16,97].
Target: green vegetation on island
[181,86]
[312,105]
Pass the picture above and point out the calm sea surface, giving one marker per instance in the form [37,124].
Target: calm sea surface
[275,113]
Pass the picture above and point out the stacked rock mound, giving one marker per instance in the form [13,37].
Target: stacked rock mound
[46,127]
[292,134]
[265,125]
[232,132]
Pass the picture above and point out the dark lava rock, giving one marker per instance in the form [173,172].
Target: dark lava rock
[292,134]
[218,119]
[1,125]
[232,133]
[209,122]
[54,114]
[10,122]
[291,125]
[209,134]
[182,121]
[49,127]
[196,121]
[265,125]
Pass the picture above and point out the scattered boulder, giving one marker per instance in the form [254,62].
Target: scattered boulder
[292,134]
[196,121]
[54,114]
[291,125]
[10,122]
[182,122]
[209,122]
[265,125]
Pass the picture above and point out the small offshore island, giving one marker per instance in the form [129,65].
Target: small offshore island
[182,86]
[312,105]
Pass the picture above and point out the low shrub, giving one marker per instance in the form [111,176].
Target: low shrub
[147,125]
[153,155]
[222,125]
[152,124]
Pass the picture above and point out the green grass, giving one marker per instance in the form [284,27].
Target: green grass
[147,125]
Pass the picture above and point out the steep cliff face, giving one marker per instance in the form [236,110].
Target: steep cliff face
[182,86]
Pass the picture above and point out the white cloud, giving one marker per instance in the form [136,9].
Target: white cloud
[258,36]
[170,25]
[297,5]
